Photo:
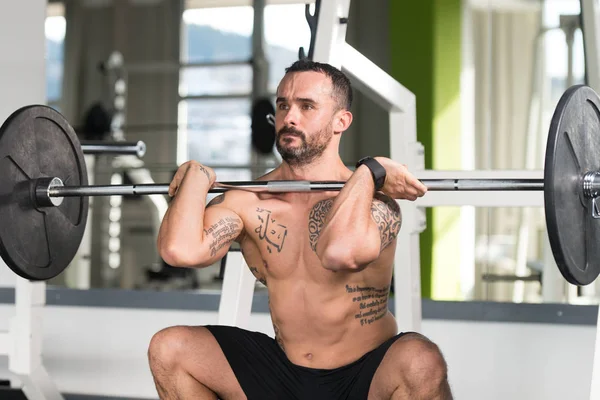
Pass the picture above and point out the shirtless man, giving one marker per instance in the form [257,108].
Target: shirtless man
[326,258]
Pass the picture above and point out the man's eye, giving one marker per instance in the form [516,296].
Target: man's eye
[283,106]
[308,107]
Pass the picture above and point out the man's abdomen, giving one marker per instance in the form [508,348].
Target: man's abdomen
[321,329]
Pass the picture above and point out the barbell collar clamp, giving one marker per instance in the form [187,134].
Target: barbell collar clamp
[591,184]
[41,191]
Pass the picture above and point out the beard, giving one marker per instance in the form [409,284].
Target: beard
[307,151]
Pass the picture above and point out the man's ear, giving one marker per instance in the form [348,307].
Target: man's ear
[342,121]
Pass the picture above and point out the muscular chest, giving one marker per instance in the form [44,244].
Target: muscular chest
[281,236]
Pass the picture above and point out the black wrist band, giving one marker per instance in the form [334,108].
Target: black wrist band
[377,170]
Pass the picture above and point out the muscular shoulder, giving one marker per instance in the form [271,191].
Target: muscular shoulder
[316,219]
[232,199]
[383,208]
[383,202]
[388,217]
[239,200]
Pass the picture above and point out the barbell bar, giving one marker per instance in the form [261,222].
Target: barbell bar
[57,188]
[44,192]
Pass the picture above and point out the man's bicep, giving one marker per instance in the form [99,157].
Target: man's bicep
[221,227]
[388,218]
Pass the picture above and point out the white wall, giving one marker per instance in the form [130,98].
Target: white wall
[102,351]
[22,51]
[22,76]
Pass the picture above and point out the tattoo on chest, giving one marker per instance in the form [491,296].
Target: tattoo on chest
[260,277]
[371,302]
[316,219]
[386,214]
[222,233]
[270,230]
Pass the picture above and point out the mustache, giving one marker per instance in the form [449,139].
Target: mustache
[290,130]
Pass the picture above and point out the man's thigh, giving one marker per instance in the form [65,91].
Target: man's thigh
[412,351]
[195,351]
[258,363]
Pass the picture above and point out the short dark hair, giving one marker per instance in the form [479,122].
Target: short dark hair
[342,88]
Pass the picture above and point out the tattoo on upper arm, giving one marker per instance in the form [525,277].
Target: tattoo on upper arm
[372,302]
[270,231]
[222,233]
[388,218]
[216,200]
[316,219]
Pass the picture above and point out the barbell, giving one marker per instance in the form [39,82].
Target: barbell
[44,194]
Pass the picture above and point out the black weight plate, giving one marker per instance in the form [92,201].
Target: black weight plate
[39,243]
[263,133]
[573,148]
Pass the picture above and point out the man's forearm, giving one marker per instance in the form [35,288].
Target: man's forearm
[184,220]
[349,239]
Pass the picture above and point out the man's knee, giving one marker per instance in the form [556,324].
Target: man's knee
[168,346]
[421,362]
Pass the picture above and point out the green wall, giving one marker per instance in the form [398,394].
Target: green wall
[425,55]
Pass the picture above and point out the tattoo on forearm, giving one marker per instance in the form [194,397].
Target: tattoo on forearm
[387,215]
[216,200]
[372,302]
[278,337]
[260,277]
[222,233]
[316,219]
[201,167]
[270,231]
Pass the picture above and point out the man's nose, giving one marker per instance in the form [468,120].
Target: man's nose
[291,117]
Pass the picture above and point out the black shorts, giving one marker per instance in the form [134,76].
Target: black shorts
[265,373]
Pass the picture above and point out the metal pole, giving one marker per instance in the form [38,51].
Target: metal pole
[294,186]
[260,74]
[260,64]
[121,148]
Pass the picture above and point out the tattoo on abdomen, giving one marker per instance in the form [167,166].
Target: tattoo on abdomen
[316,219]
[222,232]
[387,216]
[372,302]
[270,231]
